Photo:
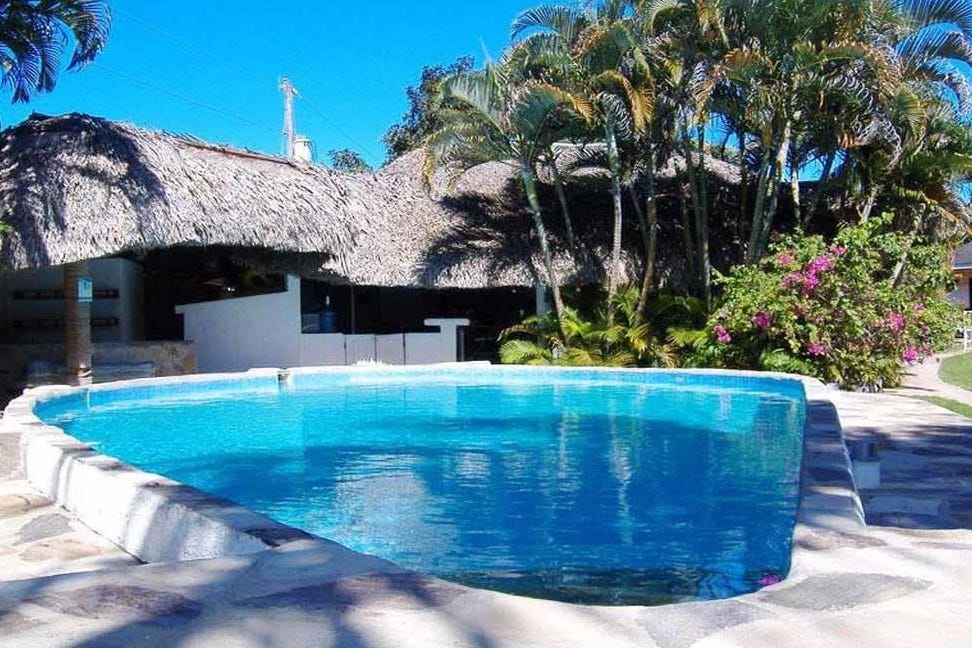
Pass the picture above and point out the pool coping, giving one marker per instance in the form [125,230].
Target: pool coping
[157,519]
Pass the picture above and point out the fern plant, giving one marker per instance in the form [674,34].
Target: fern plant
[620,337]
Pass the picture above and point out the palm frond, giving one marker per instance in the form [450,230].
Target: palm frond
[563,20]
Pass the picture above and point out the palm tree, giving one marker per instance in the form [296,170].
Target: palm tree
[783,61]
[932,41]
[513,123]
[35,33]
[595,53]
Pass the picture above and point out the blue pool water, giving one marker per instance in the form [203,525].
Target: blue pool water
[600,488]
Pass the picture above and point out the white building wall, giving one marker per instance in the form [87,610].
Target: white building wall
[265,331]
[246,332]
[322,349]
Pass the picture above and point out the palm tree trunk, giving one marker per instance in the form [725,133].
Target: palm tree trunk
[615,265]
[869,205]
[687,236]
[774,189]
[702,227]
[756,225]
[651,244]
[77,326]
[562,197]
[767,194]
[698,210]
[795,188]
[530,186]
[898,273]
[820,191]
[744,180]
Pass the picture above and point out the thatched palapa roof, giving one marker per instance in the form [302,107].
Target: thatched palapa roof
[77,187]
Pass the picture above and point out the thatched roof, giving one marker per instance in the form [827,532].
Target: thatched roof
[78,187]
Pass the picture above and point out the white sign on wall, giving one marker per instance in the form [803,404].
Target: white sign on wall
[85,290]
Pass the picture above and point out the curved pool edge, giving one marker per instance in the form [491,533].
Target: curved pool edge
[160,520]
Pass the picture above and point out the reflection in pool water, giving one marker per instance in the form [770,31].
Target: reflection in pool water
[595,491]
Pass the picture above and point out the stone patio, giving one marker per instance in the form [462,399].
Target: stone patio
[38,538]
[866,586]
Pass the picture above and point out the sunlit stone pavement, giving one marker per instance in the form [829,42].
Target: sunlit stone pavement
[873,586]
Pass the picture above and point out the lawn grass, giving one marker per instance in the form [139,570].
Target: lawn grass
[957,371]
[949,404]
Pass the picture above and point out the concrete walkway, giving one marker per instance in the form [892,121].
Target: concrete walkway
[922,380]
[876,586]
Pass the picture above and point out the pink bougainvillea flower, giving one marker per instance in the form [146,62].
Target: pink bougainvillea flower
[816,349]
[896,321]
[823,263]
[810,281]
[762,320]
[838,250]
[792,279]
[785,259]
[919,308]
[722,335]
[910,355]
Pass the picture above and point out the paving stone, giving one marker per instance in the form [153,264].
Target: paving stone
[948,546]
[44,526]
[679,626]
[833,592]
[120,603]
[60,549]
[12,622]
[404,591]
[15,504]
[910,521]
[826,539]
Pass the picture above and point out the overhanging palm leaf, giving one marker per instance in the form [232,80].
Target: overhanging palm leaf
[34,34]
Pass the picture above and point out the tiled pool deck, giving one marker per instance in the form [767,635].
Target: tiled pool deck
[850,584]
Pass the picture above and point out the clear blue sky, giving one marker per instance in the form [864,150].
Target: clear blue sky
[350,60]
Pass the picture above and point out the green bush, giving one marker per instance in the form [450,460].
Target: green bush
[853,311]
[632,339]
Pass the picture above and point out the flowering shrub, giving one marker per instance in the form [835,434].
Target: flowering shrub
[852,311]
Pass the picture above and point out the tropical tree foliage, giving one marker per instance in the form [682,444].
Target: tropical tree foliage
[348,161]
[870,99]
[512,123]
[426,105]
[631,338]
[833,111]
[35,33]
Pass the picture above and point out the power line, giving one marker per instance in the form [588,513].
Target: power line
[176,95]
[188,46]
[338,129]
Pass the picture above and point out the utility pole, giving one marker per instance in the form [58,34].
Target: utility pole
[289,92]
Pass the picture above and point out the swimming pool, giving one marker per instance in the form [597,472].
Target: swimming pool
[577,485]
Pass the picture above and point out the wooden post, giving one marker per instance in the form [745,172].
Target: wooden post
[77,330]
